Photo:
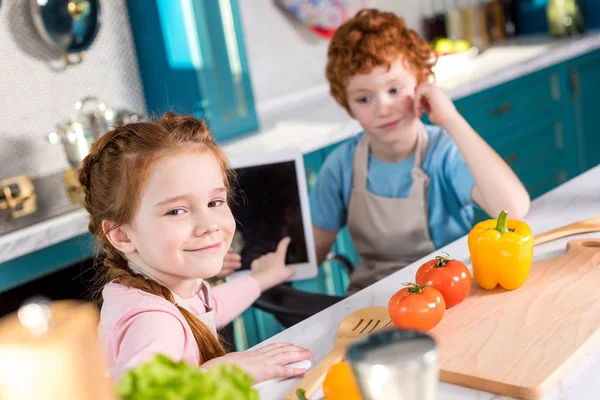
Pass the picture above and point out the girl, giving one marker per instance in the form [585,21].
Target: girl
[403,188]
[157,197]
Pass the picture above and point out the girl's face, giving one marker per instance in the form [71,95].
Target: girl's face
[183,226]
[383,101]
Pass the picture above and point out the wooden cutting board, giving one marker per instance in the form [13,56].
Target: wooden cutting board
[520,343]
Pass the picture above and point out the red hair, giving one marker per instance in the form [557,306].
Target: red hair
[374,38]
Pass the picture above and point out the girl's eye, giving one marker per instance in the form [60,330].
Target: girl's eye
[216,203]
[395,90]
[177,211]
[362,100]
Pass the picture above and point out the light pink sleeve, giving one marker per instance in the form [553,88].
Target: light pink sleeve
[232,298]
[145,334]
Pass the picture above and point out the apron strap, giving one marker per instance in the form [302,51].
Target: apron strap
[360,166]
[421,150]
[205,288]
[419,176]
[361,162]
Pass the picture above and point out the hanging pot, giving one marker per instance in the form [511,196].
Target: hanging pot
[91,120]
[55,31]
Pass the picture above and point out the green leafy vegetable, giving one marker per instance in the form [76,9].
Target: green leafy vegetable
[162,378]
[301,394]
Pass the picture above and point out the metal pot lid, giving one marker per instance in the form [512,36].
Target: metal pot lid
[67,25]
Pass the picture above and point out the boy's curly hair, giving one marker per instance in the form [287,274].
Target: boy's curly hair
[374,38]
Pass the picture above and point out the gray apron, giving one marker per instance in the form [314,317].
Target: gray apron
[389,233]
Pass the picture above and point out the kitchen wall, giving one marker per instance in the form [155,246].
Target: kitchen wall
[33,97]
[287,61]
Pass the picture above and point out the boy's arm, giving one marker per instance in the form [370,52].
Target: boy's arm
[496,187]
[323,241]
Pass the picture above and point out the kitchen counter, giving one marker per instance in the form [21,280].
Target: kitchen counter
[575,200]
[313,120]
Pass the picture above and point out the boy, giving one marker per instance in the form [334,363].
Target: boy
[404,188]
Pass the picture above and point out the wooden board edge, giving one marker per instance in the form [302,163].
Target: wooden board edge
[486,385]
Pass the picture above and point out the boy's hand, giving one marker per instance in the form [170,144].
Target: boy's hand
[436,104]
[270,270]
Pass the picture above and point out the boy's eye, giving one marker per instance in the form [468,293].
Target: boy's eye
[216,203]
[363,100]
[176,211]
[395,90]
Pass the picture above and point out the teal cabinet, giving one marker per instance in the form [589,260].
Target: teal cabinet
[192,60]
[584,81]
[533,124]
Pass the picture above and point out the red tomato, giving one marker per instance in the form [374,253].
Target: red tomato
[417,307]
[450,277]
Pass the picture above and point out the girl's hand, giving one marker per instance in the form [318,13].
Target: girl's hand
[436,104]
[231,263]
[270,270]
[266,363]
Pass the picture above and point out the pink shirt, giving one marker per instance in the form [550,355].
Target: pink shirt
[136,325]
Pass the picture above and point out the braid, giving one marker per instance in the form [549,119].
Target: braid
[209,346]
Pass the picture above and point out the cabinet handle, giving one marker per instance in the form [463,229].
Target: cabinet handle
[575,81]
[503,109]
[511,159]
[558,130]
[562,176]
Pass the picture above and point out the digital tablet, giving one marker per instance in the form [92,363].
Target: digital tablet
[270,202]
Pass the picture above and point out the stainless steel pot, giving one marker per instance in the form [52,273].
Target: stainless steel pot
[79,133]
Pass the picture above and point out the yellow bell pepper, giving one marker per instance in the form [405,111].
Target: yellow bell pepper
[501,252]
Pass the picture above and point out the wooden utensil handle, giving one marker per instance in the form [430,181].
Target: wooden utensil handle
[591,246]
[569,230]
[314,379]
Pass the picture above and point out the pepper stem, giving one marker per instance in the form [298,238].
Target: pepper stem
[501,224]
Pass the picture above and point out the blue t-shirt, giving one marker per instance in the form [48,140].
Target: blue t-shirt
[450,206]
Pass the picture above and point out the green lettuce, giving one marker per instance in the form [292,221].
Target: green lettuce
[162,378]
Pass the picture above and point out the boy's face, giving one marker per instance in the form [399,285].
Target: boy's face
[382,101]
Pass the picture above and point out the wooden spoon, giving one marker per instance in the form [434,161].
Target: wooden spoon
[358,323]
[585,226]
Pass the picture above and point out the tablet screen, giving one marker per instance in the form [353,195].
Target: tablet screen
[266,206]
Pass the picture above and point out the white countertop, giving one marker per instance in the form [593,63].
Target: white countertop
[575,200]
[313,121]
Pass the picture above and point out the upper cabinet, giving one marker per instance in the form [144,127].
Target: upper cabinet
[192,60]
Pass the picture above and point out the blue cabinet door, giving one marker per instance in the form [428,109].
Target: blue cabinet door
[584,80]
[192,60]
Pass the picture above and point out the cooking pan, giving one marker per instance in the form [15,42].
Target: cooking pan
[57,32]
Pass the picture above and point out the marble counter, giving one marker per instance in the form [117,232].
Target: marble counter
[314,121]
[575,200]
